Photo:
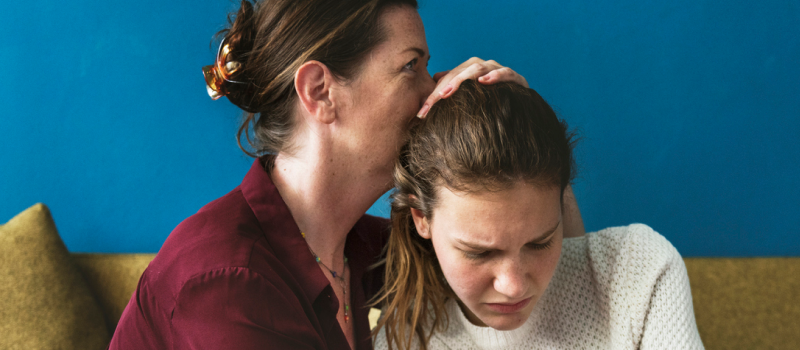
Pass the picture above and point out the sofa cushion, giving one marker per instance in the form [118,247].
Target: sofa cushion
[44,301]
[746,303]
[113,279]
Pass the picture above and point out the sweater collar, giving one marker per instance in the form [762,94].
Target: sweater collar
[488,337]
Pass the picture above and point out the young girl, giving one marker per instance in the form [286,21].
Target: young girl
[477,257]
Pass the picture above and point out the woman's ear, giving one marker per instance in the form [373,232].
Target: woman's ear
[313,82]
[421,222]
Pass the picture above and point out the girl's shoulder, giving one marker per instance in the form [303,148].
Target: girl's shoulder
[632,249]
[631,239]
[607,282]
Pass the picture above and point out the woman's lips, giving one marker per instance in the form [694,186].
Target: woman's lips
[508,308]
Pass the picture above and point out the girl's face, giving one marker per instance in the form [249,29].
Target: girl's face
[497,250]
[384,98]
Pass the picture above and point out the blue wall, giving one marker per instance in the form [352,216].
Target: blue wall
[689,112]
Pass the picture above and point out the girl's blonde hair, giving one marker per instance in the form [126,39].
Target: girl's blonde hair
[482,138]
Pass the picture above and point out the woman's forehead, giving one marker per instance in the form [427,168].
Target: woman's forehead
[404,29]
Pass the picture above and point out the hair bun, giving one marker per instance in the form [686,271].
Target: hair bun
[242,32]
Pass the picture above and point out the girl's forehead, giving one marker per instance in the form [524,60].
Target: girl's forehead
[522,211]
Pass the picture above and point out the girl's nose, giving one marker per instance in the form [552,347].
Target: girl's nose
[510,280]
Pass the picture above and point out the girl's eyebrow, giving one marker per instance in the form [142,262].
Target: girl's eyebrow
[474,246]
[478,246]
[547,233]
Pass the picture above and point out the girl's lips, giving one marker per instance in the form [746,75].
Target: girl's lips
[508,308]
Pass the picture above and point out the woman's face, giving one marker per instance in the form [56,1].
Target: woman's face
[385,96]
[498,250]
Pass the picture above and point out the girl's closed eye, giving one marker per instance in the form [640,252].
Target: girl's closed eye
[476,255]
[540,246]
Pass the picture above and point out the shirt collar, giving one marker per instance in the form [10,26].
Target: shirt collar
[288,245]
[280,229]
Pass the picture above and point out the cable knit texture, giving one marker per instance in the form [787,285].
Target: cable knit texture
[619,288]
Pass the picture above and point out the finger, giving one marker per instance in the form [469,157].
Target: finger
[432,98]
[449,83]
[436,95]
[439,75]
[472,72]
[503,74]
[444,79]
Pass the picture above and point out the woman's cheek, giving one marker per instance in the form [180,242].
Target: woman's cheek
[416,92]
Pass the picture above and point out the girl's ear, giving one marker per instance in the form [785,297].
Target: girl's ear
[421,222]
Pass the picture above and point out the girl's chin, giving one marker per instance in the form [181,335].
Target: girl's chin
[498,321]
[505,322]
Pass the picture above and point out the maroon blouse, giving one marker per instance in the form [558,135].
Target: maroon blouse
[238,275]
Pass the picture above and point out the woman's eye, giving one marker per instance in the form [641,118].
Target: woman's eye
[410,65]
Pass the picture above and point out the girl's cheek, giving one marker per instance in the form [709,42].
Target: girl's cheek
[458,273]
[546,266]
[471,281]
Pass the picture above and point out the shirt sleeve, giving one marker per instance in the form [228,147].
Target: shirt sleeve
[670,322]
[236,308]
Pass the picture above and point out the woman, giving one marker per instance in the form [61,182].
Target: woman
[329,88]
[477,257]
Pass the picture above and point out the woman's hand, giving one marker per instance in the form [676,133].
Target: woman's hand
[486,72]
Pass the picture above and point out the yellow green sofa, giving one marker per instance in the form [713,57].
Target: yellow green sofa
[740,303]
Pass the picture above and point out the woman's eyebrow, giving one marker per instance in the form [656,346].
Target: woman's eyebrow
[419,51]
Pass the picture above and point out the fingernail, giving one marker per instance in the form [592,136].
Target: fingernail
[423,111]
[483,78]
[446,90]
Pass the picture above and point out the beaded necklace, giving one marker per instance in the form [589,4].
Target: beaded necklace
[337,276]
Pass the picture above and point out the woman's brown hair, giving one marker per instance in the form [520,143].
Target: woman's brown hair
[273,38]
[482,138]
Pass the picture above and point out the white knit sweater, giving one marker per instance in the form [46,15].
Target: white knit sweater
[619,288]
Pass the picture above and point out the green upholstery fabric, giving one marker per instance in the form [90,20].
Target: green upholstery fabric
[44,301]
[739,303]
[51,300]
[746,303]
[113,278]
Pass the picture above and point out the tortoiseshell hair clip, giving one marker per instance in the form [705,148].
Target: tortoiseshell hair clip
[219,73]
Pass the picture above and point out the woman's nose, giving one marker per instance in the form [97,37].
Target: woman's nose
[428,85]
[511,280]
